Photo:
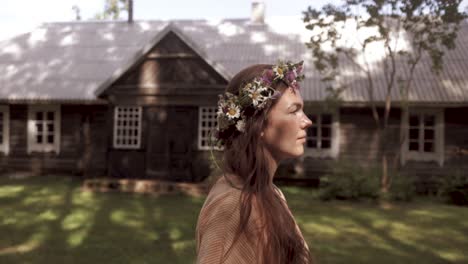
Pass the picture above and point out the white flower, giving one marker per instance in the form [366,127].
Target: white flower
[240,125]
[233,111]
[257,96]
[221,106]
[278,72]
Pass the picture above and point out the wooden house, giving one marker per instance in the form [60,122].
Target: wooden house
[137,100]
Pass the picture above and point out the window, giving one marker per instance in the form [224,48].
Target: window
[127,127]
[423,136]
[422,133]
[322,136]
[4,129]
[44,128]
[207,123]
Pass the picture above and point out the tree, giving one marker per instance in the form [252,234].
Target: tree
[112,9]
[429,27]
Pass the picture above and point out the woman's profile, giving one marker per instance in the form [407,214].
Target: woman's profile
[245,217]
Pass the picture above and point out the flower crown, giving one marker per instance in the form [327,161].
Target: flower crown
[233,110]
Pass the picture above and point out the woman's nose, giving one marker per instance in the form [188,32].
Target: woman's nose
[306,121]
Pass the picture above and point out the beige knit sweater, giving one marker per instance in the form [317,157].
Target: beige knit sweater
[217,224]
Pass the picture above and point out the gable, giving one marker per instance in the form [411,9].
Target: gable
[170,66]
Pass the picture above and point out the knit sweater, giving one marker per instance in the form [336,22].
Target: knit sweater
[217,225]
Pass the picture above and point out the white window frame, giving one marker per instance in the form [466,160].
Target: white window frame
[5,145]
[202,129]
[116,127]
[438,154]
[31,129]
[333,151]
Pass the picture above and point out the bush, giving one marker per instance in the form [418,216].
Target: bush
[402,188]
[454,188]
[348,181]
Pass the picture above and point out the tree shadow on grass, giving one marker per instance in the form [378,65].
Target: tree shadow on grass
[70,226]
[365,233]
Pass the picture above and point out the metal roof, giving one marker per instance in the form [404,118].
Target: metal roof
[77,60]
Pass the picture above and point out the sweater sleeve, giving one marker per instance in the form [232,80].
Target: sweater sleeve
[216,230]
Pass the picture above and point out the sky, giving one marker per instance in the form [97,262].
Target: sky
[20,16]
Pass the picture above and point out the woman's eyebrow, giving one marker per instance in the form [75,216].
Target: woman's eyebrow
[299,105]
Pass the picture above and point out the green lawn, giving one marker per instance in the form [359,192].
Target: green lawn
[49,220]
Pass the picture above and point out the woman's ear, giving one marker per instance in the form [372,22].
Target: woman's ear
[261,134]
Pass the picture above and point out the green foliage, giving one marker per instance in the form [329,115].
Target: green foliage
[454,188]
[431,27]
[112,10]
[348,181]
[402,188]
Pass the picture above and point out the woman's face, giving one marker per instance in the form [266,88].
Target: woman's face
[285,133]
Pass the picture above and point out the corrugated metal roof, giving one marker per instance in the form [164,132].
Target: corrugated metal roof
[72,60]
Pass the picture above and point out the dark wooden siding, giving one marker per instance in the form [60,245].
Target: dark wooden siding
[70,157]
[169,82]
[359,143]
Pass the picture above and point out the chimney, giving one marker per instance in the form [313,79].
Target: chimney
[130,11]
[258,12]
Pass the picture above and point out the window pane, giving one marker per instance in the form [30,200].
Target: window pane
[414,120]
[326,144]
[429,120]
[313,118]
[39,139]
[311,143]
[39,127]
[50,139]
[326,131]
[414,133]
[39,116]
[312,132]
[414,146]
[50,127]
[326,119]
[50,116]
[428,134]
[428,147]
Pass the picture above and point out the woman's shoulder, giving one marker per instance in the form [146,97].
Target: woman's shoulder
[223,192]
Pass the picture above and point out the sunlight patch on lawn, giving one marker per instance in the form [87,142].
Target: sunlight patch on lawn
[76,237]
[440,215]
[126,218]
[451,255]
[84,198]
[78,224]
[34,241]
[180,246]
[77,219]
[48,215]
[320,229]
[175,233]
[10,191]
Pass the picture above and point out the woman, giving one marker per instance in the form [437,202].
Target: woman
[245,218]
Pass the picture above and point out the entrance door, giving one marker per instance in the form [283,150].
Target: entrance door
[180,137]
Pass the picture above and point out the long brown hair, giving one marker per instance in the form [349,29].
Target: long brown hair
[244,157]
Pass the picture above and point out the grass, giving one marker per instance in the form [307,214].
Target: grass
[50,220]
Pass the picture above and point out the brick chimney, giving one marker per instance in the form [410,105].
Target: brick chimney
[258,12]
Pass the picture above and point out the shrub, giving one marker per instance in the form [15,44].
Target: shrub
[348,181]
[402,188]
[454,188]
